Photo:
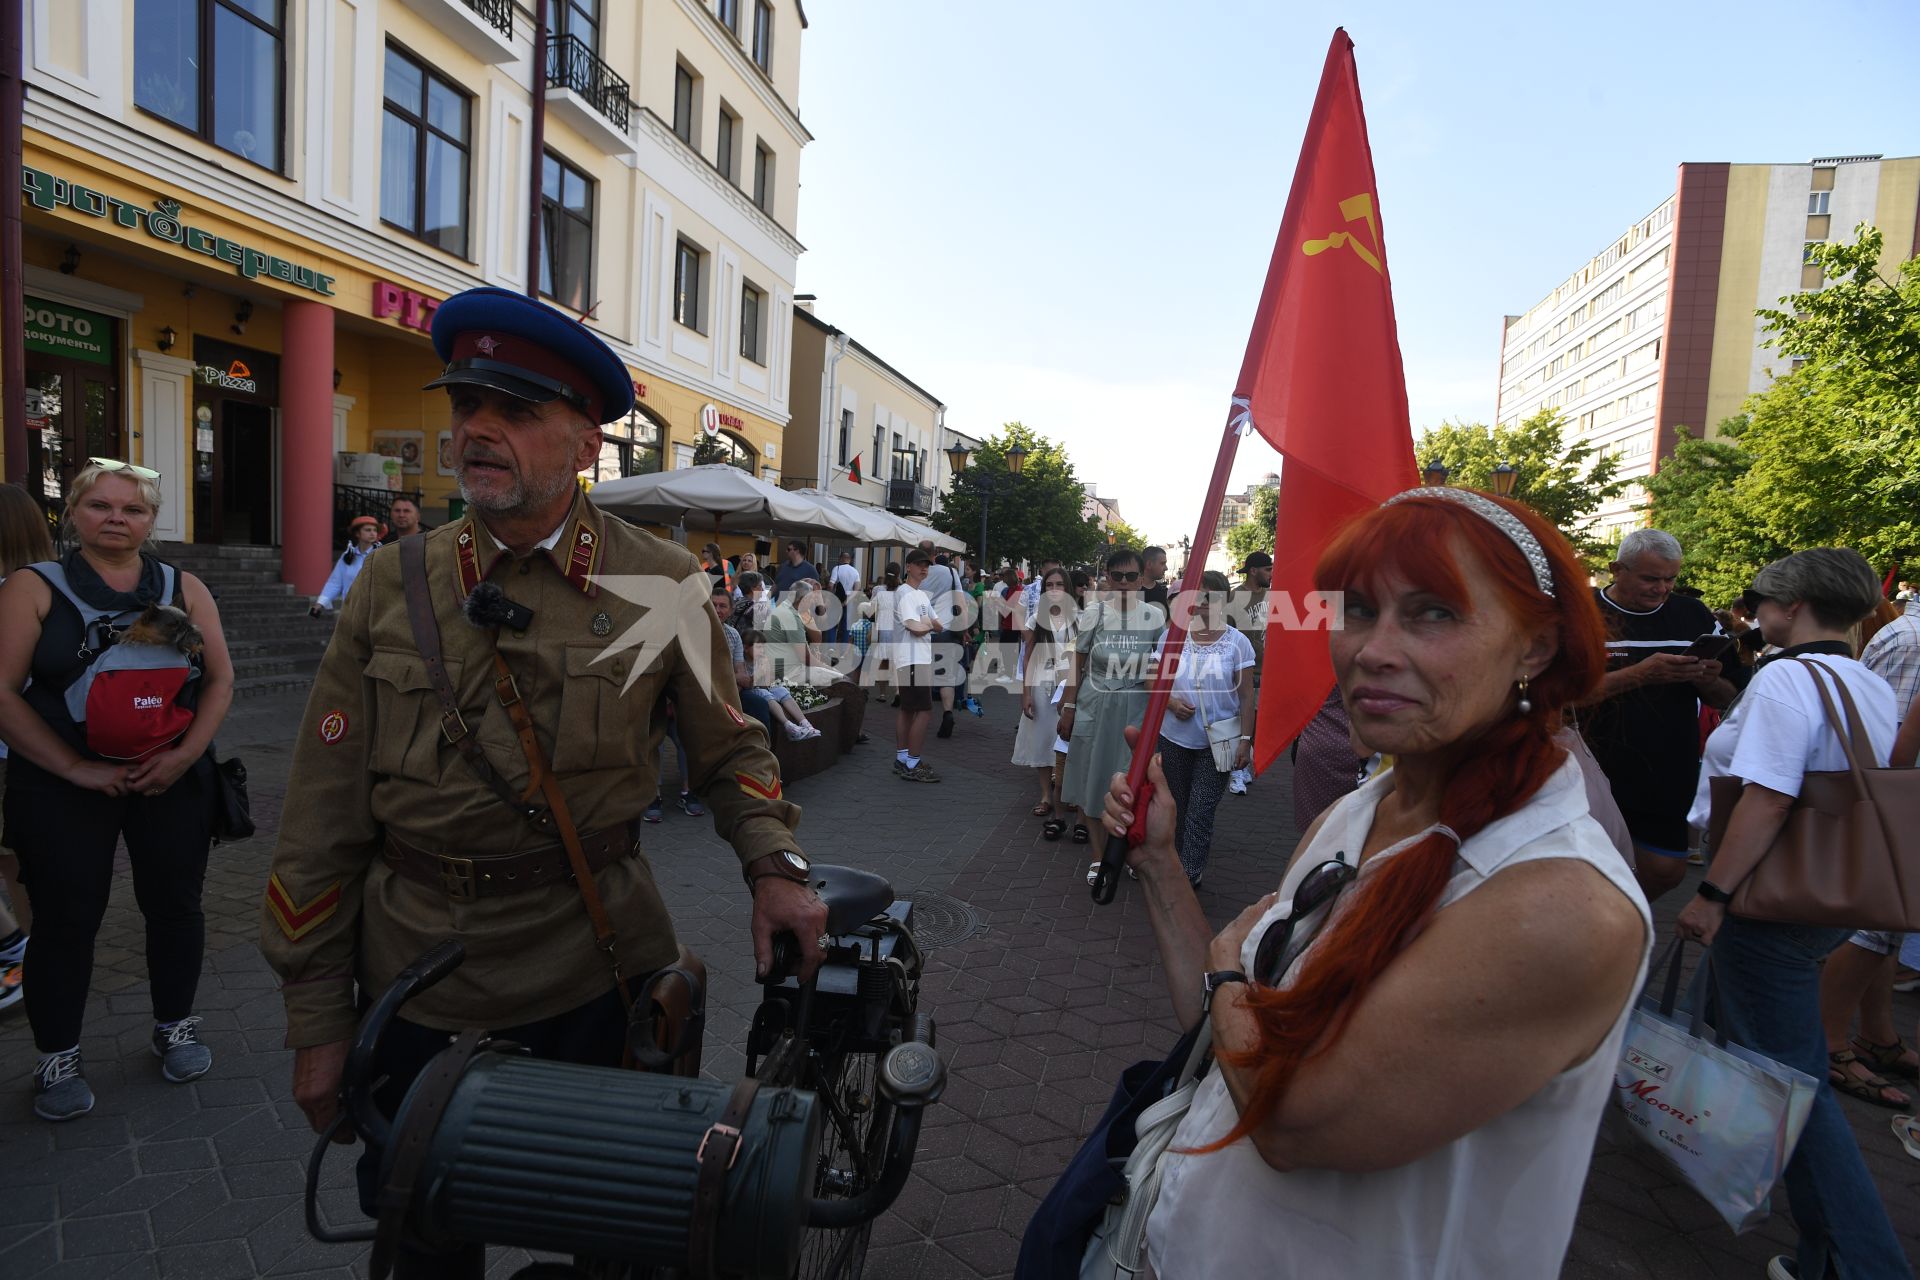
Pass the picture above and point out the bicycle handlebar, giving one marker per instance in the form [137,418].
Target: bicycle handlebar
[356,1086]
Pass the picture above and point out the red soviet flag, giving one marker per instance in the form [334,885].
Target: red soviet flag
[1322,382]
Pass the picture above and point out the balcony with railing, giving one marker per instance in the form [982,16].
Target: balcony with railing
[585,92]
[909,497]
[484,28]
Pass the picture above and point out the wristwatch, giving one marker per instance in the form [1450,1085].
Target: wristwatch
[785,864]
[1212,981]
[1714,893]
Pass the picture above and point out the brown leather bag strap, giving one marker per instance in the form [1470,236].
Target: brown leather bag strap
[719,1149]
[508,692]
[1853,732]
[426,638]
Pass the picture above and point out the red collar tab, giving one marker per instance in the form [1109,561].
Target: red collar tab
[582,550]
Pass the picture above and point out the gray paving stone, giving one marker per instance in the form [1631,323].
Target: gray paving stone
[112,1235]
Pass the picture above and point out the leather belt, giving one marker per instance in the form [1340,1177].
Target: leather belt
[464,879]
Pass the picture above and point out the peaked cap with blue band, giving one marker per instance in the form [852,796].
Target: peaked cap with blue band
[518,345]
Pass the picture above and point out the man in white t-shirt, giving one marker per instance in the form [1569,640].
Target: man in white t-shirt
[914,626]
[844,580]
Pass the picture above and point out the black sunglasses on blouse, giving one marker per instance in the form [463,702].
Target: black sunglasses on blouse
[1319,887]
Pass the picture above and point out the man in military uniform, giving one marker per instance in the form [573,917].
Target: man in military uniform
[391,840]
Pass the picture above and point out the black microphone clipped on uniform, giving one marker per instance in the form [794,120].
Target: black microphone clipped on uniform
[489,606]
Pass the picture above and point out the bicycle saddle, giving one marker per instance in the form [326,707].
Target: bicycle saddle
[853,897]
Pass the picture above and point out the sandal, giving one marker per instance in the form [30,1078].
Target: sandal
[1042,810]
[1907,1129]
[1080,833]
[1871,1089]
[1890,1058]
[1052,828]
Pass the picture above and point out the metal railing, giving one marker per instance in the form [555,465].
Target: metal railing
[497,14]
[909,495]
[350,500]
[572,64]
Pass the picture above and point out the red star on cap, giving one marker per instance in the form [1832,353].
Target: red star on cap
[486,346]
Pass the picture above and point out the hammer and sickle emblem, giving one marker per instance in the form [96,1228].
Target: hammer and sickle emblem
[1353,209]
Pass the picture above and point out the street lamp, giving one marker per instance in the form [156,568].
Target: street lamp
[1504,476]
[988,486]
[1435,473]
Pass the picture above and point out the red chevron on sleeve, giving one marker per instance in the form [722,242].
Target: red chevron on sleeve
[767,791]
[297,921]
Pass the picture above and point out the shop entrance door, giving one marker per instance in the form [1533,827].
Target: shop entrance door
[233,448]
[73,397]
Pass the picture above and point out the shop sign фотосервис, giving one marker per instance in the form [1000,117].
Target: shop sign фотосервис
[163,222]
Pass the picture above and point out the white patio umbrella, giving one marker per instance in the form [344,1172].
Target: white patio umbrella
[875,525]
[720,498]
[912,532]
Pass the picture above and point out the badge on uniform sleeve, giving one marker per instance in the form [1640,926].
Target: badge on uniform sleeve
[601,624]
[753,785]
[735,713]
[333,727]
[297,920]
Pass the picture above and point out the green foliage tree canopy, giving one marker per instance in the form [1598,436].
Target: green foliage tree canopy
[1566,484]
[1029,516]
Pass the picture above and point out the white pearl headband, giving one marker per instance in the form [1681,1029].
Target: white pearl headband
[1497,516]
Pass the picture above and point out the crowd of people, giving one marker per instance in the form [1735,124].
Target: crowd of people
[1512,766]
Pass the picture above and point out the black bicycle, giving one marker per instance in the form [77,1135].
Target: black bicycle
[645,1176]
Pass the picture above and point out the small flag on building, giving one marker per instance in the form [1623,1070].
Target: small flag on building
[853,470]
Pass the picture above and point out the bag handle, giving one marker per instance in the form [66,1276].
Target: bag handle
[1703,977]
[1851,730]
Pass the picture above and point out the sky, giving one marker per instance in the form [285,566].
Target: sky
[1061,213]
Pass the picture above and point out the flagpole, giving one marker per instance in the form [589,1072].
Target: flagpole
[1108,876]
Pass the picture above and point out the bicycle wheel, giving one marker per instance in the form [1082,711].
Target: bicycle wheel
[853,1140]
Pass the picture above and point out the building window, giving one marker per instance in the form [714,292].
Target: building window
[762,176]
[727,157]
[1811,277]
[1817,201]
[753,334]
[683,82]
[1822,179]
[846,434]
[566,234]
[728,11]
[763,35]
[1819,226]
[728,448]
[688,263]
[423,154]
[879,458]
[900,454]
[216,68]
[580,19]
[627,448]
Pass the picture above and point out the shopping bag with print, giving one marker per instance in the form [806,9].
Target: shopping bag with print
[1726,1118]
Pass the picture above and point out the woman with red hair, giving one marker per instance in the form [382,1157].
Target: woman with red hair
[1415,1037]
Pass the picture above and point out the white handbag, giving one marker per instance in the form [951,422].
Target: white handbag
[1223,739]
[1118,1249]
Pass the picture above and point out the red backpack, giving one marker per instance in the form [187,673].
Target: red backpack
[131,699]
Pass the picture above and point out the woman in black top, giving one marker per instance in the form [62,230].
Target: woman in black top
[66,807]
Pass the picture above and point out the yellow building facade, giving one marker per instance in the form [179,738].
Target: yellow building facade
[235,288]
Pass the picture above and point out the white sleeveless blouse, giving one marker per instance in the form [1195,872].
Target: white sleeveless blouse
[1495,1203]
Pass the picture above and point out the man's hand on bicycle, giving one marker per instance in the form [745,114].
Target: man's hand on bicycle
[787,906]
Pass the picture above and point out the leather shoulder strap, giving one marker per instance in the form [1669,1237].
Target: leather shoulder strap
[426,638]
[1850,728]
[718,1151]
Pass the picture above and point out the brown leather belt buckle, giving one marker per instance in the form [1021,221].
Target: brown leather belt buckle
[447,723]
[457,877]
[725,1131]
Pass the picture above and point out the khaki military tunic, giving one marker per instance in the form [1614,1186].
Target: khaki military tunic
[371,759]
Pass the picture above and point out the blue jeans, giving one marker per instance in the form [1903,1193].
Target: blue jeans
[1768,981]
[755,704]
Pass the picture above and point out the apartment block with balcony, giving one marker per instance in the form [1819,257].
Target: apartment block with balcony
[255,256]
[1656,334]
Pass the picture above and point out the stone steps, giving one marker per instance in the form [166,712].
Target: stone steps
[276,647]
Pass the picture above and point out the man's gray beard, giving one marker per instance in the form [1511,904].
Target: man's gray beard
[523,497]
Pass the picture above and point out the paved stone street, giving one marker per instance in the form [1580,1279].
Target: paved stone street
[1039,1006]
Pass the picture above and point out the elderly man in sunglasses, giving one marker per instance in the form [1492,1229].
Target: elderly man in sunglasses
[1426,1018]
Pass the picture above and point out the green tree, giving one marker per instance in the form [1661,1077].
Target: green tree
[1035,514]
[1257,533]
[1691,497]
[1564,483]
[1834,445]
[1121,534]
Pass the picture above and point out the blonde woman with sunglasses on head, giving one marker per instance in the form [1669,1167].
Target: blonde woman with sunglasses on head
[67,806]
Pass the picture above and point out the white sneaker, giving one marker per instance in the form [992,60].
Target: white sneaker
[1237,781]
[797,731]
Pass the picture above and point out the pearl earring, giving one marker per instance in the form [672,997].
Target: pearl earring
[1526,703]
